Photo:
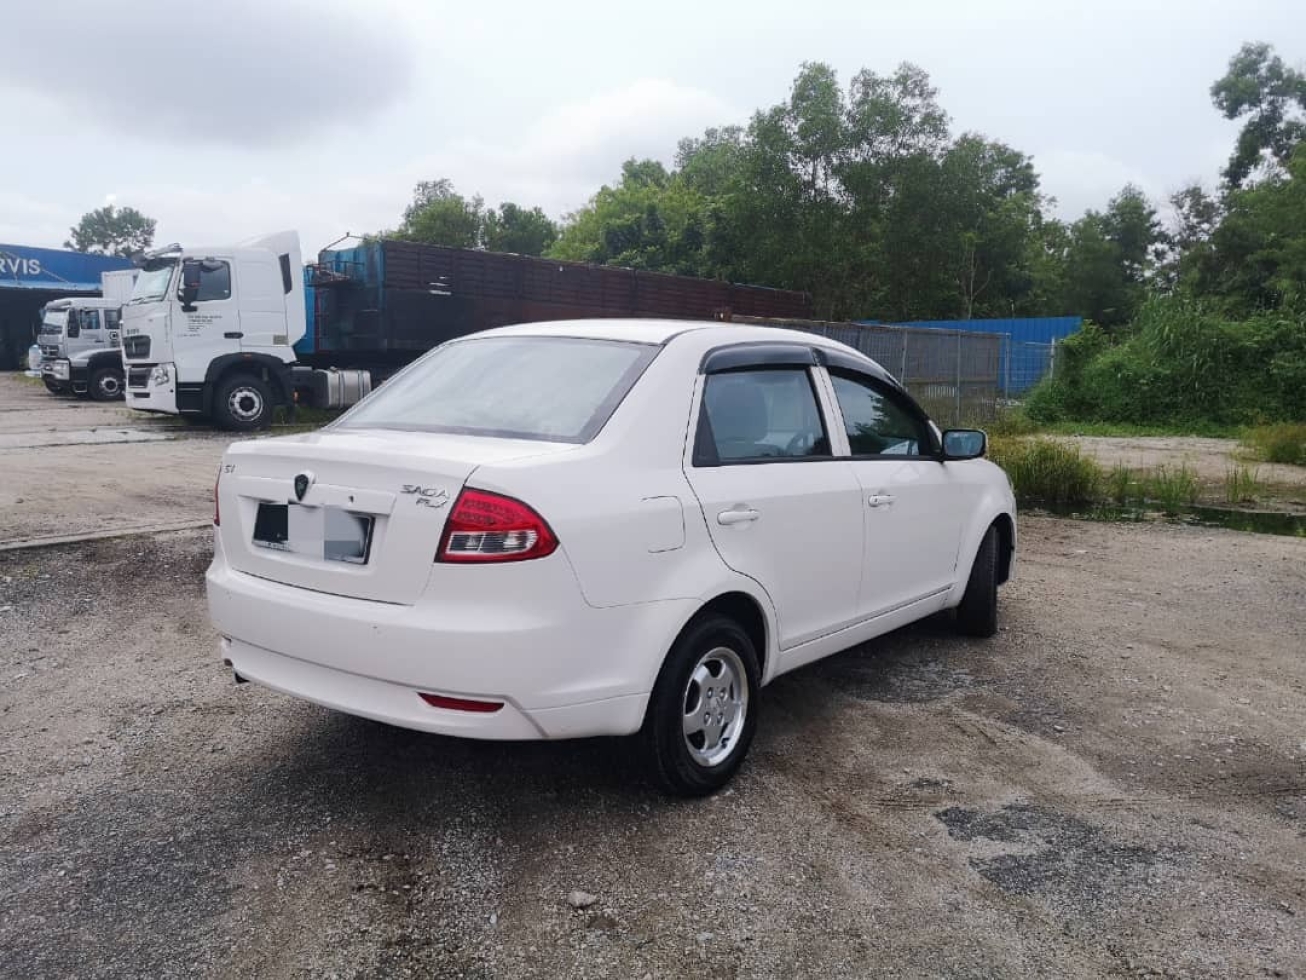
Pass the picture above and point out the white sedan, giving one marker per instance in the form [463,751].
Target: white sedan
[602,527]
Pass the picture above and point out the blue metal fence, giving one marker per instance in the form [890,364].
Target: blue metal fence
[1028,350]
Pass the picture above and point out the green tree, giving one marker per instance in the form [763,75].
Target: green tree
[650,220]
[112,231]
[1110,258]
[512,228]
[1271,96]
[439,215]
[1256,256]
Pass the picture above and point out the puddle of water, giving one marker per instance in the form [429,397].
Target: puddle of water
[1256,521]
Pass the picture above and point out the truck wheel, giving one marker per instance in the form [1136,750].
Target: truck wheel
[53,387]
[242,403]
[978,613]
[703,711]
[106,385]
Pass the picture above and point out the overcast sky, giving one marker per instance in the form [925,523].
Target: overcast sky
[228,120]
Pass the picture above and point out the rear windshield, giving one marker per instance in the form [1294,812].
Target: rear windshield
[550,388]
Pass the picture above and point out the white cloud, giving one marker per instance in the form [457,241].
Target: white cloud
[556,162]
[243,72]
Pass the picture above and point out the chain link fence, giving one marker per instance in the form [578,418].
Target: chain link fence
[956,375]
[1025,364]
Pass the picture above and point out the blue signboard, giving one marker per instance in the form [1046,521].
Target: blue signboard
[24,267]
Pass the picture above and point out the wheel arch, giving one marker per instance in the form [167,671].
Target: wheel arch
[104,359]
[995,516]
[274,372]
[749,611]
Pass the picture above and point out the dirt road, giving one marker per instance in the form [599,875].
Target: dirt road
[71,466]
[1208,459]
[1113,786]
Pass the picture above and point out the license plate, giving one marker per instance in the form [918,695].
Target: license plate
[328,533]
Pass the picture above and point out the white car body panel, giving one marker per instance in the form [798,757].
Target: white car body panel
[572,643]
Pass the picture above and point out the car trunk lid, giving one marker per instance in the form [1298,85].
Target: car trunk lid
[351,513]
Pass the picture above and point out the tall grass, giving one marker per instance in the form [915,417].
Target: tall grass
[1048,472]
[1171,487]
[1119,483]
[1242,485]
[1282,443]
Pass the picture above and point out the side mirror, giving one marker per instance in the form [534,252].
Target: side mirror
[74,328]
[964,444]
[190,283]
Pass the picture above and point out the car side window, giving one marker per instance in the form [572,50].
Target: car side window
[760,414]
[878,423]
[215,282]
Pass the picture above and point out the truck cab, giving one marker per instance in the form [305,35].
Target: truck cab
[209,332]
[79,348]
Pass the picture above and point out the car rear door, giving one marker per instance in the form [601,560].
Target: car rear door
[914,503]
[779,507]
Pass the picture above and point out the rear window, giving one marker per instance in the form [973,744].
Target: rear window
[549,388]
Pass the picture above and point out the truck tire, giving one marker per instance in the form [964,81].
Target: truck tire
[53,387]
[106,385]
[978,613]
[242,403]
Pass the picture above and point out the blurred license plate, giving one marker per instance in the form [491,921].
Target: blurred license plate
[329,533]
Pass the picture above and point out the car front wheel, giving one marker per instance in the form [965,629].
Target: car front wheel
[978,613]
[703,711]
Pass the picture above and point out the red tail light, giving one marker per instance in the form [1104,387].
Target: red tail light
[485,527]
[461,704]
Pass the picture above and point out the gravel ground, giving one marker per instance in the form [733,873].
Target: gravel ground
[1113,786]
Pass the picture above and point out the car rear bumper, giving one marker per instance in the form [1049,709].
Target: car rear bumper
[561,668]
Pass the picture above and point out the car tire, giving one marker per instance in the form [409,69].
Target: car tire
[242,403]
[54,388]
[690,762]
[106,385]
[978,613]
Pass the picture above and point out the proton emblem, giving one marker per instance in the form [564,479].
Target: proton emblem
[302,482]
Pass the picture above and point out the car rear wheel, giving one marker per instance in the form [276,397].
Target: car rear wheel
[106,385]
[978,613]
[703,711]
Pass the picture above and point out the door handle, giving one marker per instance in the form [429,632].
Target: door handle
[741,515]
[232,335]
[881,500]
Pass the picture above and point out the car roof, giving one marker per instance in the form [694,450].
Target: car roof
[703,334]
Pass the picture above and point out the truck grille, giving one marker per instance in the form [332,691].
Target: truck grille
[50,350]
[136,346]
[139,377]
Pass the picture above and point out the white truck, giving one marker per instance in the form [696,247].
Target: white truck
[209,333]
[78,338]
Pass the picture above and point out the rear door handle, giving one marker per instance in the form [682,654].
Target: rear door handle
[742,515]
[881,500]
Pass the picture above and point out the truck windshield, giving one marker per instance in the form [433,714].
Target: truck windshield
[54,321]
[152,284]
[556,389]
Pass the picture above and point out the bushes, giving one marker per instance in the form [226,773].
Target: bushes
[1282,443]
[1179,363]
[1047,472]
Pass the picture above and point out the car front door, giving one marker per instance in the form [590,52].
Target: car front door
[913,503]
[779,507]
